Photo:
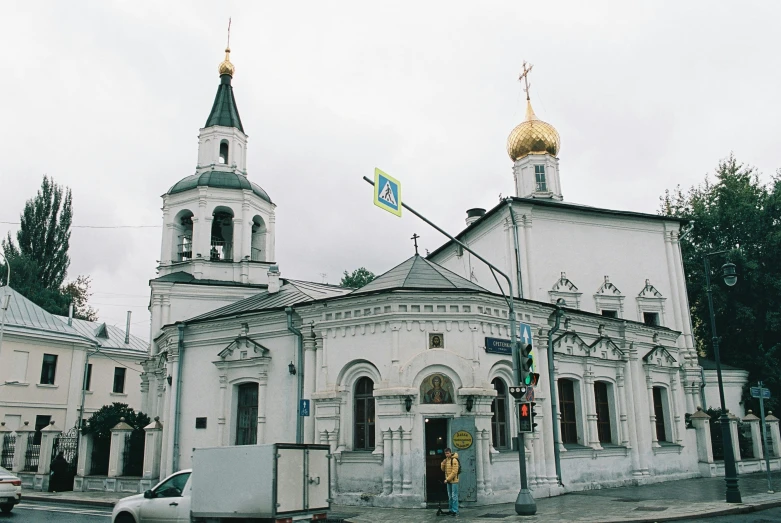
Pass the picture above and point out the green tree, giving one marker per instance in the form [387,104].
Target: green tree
[39,257]
[357,279]
[737,213]
[106,418]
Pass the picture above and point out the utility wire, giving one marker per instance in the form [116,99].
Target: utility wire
[100,226]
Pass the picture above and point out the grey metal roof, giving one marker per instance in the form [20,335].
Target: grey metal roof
[292,292]
[219,180]
[418,273]
[26,315]
[115,336]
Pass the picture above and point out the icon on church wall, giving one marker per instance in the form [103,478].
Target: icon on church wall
[436,341]
[437,389]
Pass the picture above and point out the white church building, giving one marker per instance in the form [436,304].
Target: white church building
[392,371]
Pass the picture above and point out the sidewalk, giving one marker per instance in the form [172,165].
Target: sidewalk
[686,499]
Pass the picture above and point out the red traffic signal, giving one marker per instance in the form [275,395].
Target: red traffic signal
[525,417]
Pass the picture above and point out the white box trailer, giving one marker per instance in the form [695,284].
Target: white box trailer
[276,482]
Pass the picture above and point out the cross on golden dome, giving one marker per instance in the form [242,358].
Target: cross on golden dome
[532,136]
[226,67]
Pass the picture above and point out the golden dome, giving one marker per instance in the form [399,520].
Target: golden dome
[533,136]
[226,67]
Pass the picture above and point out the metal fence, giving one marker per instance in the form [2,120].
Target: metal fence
[7,455]
[716,439]
[768,443]
[32,455]
[67,445]
[133,454]
[745,441]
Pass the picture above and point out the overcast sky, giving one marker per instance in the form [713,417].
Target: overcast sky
[107,98]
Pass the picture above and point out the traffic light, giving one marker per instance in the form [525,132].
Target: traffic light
[527,363]
[533,414]
[525,417]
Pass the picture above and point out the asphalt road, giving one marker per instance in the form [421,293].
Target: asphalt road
[35,512]
[772,515]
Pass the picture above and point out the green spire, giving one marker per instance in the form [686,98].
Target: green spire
[224,111]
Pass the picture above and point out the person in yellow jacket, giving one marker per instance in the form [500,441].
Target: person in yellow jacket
[451,467]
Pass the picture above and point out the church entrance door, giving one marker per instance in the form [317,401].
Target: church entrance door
[463,439]
[436,442]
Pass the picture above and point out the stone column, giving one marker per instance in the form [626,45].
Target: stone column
[756,434]
[672,400]
[153,439]
[479,462]
[387,463]
[772,423]
[623,437]
[319,384]
[701,423]
[651,411]
[85,455]
[262,389]
[144,392]
[394,374]
[309,385]
[116,461]
[166,309]
[167,245]
[406,448]
[23,437]
[485,437]
[635,390]
[48,435]
[591,410]
[733,430]
[396,444]
[222,416]
[237,240]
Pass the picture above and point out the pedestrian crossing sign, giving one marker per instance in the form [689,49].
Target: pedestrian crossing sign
[387,192]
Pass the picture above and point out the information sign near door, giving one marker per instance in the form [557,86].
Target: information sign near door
[462,431]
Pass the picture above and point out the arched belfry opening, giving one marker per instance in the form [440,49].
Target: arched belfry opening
[183,236]
[224,152]
[259,233]
[221,248]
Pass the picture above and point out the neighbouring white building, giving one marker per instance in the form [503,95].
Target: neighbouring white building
[392,371]
[42,366]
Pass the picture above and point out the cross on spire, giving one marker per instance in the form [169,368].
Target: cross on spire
[524,77]
[229,34]
[415,239]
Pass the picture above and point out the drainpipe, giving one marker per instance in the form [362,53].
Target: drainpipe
[554,402]
[517,250]
[299,374]
[178,400]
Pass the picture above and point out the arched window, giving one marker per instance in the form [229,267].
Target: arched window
[224,151]
[499,415]
[660,398]
[363,415]
[569,424]
[247,414]
[183,236]
[258,239]
[603,412]
[221,248]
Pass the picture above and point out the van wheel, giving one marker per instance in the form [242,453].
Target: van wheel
[125,518]
[6,508]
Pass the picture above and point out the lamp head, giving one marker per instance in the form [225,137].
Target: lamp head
[291,368]
[730,274]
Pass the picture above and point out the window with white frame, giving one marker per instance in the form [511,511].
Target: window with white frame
[650,306]
[602,401]
[499,419]
[660,411]
[363,415]
[567,410]
[609,300]
[539,178]
[566,290]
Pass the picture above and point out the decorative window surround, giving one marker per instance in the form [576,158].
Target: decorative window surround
[650,300]
[609,297]
[661,357]
[567,290]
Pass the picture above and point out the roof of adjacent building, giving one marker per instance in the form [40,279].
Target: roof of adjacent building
[224,111]
[219,180]
[707,364]
[418,273]
[27,315]
[291,292]
[557,205]
[186,277]
[107,336]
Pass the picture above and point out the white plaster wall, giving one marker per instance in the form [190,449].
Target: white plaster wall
[734,381]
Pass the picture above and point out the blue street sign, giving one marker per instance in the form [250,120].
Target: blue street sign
[387,192]
[498,346]
[760,392]
[526,333]
[304,408]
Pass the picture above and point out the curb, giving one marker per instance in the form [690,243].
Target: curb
[68,501]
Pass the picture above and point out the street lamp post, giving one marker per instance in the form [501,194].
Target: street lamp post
[730,470]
